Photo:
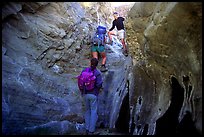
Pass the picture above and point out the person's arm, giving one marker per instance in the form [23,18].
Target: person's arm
[113,26]
[99,81]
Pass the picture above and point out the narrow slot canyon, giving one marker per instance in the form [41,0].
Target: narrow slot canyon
[154,90]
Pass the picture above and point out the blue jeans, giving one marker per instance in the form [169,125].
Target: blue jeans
[91,115]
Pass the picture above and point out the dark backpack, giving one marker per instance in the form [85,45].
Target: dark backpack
[86,80]
[99,36]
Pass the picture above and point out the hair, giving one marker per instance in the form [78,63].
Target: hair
[115,13]
[94,63]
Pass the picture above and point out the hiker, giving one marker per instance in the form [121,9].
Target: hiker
[118,22]
[98,46]
[91,98]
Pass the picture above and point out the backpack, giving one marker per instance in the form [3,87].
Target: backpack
[86,80]
[99,36]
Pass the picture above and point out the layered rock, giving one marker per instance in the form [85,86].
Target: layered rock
[44,47]
[165,40]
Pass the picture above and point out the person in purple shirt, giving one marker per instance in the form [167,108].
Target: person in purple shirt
[118,23]
[91,99]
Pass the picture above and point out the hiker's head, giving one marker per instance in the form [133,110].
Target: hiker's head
[94,63]
[115,15]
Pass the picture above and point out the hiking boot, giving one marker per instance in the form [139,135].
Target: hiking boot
[125,53]
[103,68]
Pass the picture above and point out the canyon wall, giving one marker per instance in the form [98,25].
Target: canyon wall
[165,40]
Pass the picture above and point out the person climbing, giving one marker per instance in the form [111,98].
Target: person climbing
[91,99]
[118,22]
[98,46]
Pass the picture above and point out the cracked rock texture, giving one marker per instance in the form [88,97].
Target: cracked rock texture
[45,45]
[165,40]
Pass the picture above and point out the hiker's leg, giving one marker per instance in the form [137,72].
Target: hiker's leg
[110,33]
[103,55]
[123,43]
[87,112]
[94,54]
[94,115]
[121,35]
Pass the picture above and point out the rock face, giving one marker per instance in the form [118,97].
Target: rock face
[45,45]
[165,40]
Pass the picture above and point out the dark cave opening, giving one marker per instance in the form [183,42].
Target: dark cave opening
[169,121]
[122,123]
[132,128]
[168,124]
[187,126]
[145,131]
